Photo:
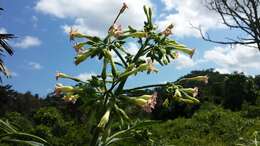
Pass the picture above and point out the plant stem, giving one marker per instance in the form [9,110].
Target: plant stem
[120,56]
[95,137]
[143,87]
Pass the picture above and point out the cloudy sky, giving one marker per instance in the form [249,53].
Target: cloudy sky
[43,48]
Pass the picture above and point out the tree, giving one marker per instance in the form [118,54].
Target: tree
[239,88]
[4,46]
[240,15]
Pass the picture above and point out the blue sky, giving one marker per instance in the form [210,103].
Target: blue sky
[43,48]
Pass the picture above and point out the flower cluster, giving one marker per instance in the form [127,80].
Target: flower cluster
[106,89]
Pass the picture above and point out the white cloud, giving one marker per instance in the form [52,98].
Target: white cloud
[132,48]
[185,14]
[184,61]
[35,65]
[238,58]
[85,76]
[28,42]
[3,30]
[94,16]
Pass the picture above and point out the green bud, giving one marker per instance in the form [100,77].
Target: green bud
[104,69]
[104,120]
[65,76]
[139,101]
[117,45]
[82,56]
[177,93]
[140,68]
[188,101]
[165,61]
[138,34]
[195,100]
[191,91]
[59,88]
[110,58]
[79,46]
[174,55]
[146,97]
[166,103]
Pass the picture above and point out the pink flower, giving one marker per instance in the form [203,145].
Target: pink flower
[116,30]
[150,104]
[73,33]
[151,67]
[168,30]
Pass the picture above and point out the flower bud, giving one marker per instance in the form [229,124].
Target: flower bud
[104,69]
[151,67]
[82,56]
[61,75]
[146,102]
[59,88]
[116,30]
[166,103]
[128,72]
[186,50]
[110,58]
[65,76]
[177,93]
[104,120]
[79,47]
[124,7]
[174,55]
[191,91]
[195,100]
[168,30]
[139,101]
[74,33]
[139,34]
[188,101]
[146,97]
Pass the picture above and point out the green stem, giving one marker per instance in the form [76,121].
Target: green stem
[140,51]
[120,87]
[138,54]
[144,87]
[95,137]
[120,56]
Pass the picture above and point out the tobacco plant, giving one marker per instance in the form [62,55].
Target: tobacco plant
[106,92]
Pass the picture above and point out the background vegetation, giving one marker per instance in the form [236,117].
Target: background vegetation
[229,114]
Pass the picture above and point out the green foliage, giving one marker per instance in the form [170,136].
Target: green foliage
[238,89]
[11,101]
[210,126]
[10,134]
[19,121]
[207,124]
[49,116]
